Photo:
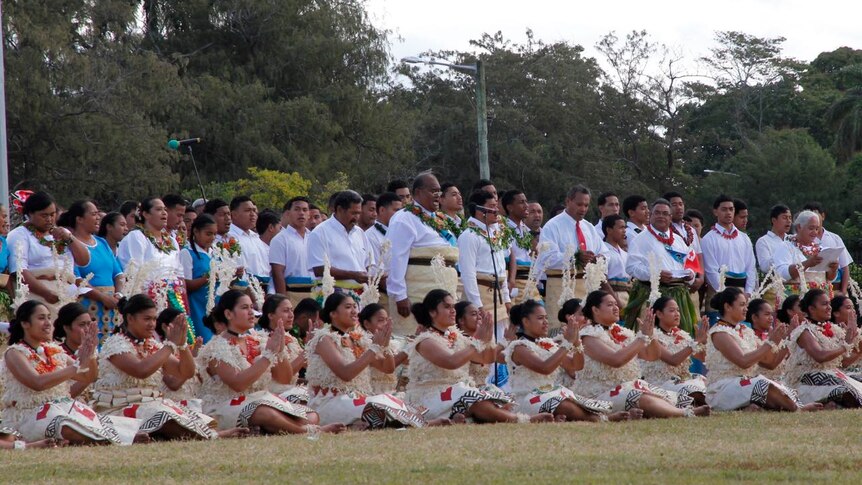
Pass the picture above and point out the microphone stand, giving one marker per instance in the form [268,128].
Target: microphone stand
[198,175]
[496,290]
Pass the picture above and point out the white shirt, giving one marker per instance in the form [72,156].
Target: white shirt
[790,255]
[289,249]
[522,255]
[736,254]
[560,232]
[36,256]
[474,256]
[632,231]
[617,259]
[375,235]
[832,240]
[135,246]
[188,264]
[644,243]
[347,251]
[254,256]
[681,230]
[765,249]
[406,232]
[598,226]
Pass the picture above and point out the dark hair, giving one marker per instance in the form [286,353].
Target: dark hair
[509,198]
[754,307]
[777,210]
[270,305]
[146,206]
[446,186]
[521,311]
[368,312]
[461,309]
[368,198]
[557,210]
[345,199]
[570,307]
[722,198]
[213,205]
[67,314]
[128,207]
[166,317]
[69,218]
[37,202]
[228,301]
[210,320]
[109,219]
[593,300]
[577,189]
[265,219]
[695,214]
[725,297]
[660,305]
[837,302]
[672,195]
[386,199]
[482,183]
[808,300]
[422,311]
[289,204]
[312,207]
[190,209]
[135,304]
[306,306]
[478,198]
[199,223]
[811,206]
[739,205]
[609,221]
[330,305]
[787,305]
[22,314]
[174,200]
[238,201]
[603,197]
[659,201]
[631,203]
[396,184]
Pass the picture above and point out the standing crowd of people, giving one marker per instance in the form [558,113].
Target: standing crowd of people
[209,320]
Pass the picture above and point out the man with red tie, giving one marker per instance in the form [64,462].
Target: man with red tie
[569,231]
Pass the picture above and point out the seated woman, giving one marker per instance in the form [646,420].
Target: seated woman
[671,370]
[278,307]
[790,309]
[760,316]
[612,370]
[240,366]
[843,310]
[70,328]
[819,350]
[439,372]
[36,394]
[11,440]
[572,312]
[340,356]
[732,355]
[133,365]
[467,319]
[373,318]
[534,361]
[174,387]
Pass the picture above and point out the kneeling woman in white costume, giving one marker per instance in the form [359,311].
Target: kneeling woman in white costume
[819,349]
[534,361]
[340,358]
[611,367]
[132,367]
[279,307]
[732,355]
[671,370]
[373,318]
[439,367]
[238,368]
[36,376]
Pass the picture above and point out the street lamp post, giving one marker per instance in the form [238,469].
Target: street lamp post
[478,72]
[4,167]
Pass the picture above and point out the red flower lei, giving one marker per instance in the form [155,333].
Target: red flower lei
[726,235]
[252,348]
[545,344]
[44,366]
[667,241]
[44,241]
[617,334]
[231,245]
[354,336]
[144,348]
[762,334]
[826,329]
[677,335]
[688,237]
[808,251]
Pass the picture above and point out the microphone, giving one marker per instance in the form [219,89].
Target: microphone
[176,144]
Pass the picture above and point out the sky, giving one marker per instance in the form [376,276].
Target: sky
[688,27]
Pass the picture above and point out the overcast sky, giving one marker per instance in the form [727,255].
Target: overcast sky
[810,27]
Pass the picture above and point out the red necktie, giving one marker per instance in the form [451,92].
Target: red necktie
[582,242]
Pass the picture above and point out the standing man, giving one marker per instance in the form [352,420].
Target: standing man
[486,185]
[568,230]
[609,205]
[535,217]
[176,207]
[740,214]
[402,190]
[369,211]
[519,260]
[315,217]
[774,239]
[387,205]
[220,211]
[725,245]
[689,235]
[614,230]
[254,255]
[267,226]
[636,210]
[288,253]
[418,235]
[829,239]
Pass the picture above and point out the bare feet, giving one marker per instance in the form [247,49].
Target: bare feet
[620,416]
[636,413]
[333,428]
[542,418]
[459,419]
[442,421]
[359,426]
[830,406]
[560,418]
[702,410]
[142,438]
[752,408]
[813,407]
[48,443]
[235,433]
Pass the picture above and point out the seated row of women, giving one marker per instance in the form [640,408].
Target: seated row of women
[146,383]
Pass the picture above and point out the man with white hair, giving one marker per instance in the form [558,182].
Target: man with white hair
[803,252]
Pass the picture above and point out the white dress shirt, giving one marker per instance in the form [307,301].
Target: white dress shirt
[765,249]
[290,249]
[474,256]
[832,240]
[645,243]
[632,231]
[347,251]
[135,246]
[560,232]
[681,230]
[521,254]
[375,235]
[36,256]
[736,254]
[617,259]
[790,255]
[406,232]
[599,225]
[255,254]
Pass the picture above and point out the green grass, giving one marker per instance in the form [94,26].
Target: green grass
[734,447]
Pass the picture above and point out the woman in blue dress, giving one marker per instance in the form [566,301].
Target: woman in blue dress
[6,312]
[106,284]
[195,259]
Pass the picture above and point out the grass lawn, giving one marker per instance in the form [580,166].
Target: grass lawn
[732,447]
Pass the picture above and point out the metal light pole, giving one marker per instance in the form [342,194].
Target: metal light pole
[4,165]
[478,72]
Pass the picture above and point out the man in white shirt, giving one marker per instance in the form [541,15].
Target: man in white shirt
[769,244]
[419,235]
[566,231]
[254,255]
[176,207]
[288,258]
[614,230]
[636,210]
[689,235]
[515,205]
[340,239]
[608,205]
[387,205]
[725,245]
[674,261]
[369,211]
[829,239]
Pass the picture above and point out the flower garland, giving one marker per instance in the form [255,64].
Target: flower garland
[688,237]
[439,222]
[181,238]
[667,241]
[252,347]
[22,289]
[177,303]
[826,329]
[595,274]
[44,241]
[546,343]
[231,245]
[654,279]
[569,277]
[762,334]
[44,358]
[354,336]
[677,335]
[500,241]
[523,241]
[617,335]
[456,228]
[166,245]
[726,235]
[143,347]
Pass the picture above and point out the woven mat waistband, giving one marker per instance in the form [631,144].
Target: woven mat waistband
[427,262]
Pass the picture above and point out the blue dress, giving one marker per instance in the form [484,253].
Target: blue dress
[6,312]
[105,268]
[198,298]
